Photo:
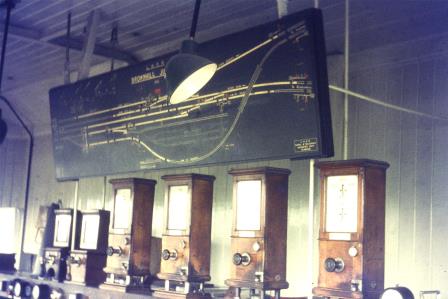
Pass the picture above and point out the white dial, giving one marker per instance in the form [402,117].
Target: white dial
[352,251]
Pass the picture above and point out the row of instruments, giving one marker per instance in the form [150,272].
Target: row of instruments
[114,251]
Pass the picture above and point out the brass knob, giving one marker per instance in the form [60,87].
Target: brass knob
[110,251]
[334,265]
[241,259]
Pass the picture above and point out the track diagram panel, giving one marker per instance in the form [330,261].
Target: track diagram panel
[268,100]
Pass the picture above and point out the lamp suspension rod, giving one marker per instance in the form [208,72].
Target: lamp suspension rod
[67,49]
[9,7]
[194,22]
[114,43]
[69,26]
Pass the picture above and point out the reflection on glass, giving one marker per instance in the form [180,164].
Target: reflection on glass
[8,227]
[248,205]
[122,208]
[178,208]
[62,229]
[89,231]
[342,204]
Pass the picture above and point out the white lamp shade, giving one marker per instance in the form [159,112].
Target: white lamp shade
[187,74]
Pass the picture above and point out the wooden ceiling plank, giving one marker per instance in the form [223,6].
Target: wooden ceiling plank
[21,32]
[156,32]
[80,12]
[131,23]
[30,13]
[220,25]
[56,29]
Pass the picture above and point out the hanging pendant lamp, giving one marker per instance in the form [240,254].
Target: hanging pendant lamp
[187,72]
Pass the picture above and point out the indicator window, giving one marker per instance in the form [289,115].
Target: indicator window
[248,205]
[122,209]
[62,230]
[178,207]
[89,231]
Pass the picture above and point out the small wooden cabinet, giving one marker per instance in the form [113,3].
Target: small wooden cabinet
[351,235]
[54,261]
[186,240]
[129,249]
[259,230]
[85,267]
[85,264]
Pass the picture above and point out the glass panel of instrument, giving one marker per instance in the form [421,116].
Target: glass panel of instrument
[178,207]
[62,230]
[342,204]
[89,231]
[248,205]
[122,209]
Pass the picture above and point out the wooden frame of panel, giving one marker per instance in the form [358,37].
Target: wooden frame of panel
[193,244]
[267,268]
[130,248]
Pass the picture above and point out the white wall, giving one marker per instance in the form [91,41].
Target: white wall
[416,180]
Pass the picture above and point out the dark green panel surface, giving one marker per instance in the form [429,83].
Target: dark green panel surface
[122,121]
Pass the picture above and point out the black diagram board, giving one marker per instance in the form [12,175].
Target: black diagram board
[268,100]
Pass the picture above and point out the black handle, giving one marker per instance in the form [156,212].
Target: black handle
[333,265]
[167,255]
[240,259]
[110,251]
